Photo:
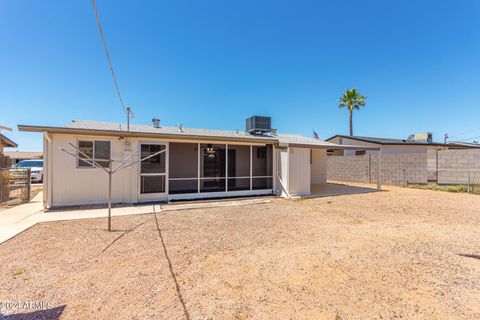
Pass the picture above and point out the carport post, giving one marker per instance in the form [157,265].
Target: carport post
[379,166]
[110,172]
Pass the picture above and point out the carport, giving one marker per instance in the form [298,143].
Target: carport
[302,166]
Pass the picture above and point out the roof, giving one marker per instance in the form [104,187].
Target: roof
[110,128]
[24,154]
[388,141]
[6,142]
[302,141]
[169,132]
[464,145]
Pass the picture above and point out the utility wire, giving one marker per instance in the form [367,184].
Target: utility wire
[108,57]
[469,139]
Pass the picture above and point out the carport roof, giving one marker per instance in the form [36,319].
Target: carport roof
[306,142]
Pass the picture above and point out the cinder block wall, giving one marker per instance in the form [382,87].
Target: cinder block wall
[351,168]
[454,165]
[396,168]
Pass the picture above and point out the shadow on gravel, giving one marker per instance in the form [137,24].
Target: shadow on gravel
[47,314]
[466,255]
[177,286]
[122,234]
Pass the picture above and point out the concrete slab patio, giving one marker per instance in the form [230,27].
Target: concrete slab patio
[18,219]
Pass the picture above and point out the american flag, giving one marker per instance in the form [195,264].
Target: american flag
[315,135]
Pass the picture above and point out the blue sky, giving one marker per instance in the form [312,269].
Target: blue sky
[213,63]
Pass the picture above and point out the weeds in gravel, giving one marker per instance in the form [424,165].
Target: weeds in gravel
[18,272]
[475,189]
[338,316]
[241,316]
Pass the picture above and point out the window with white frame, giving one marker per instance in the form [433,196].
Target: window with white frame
[98,150]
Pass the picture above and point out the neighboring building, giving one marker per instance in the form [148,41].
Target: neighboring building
[197,163]
[387,145]
[17,156]
[463,145]
[5,142]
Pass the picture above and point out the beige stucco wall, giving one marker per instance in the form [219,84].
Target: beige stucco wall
[318,167]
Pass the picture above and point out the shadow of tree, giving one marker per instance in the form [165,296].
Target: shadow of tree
[46,314]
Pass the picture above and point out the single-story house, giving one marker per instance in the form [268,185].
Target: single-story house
[5,142]
[417,143]
[197,163]
[17,156]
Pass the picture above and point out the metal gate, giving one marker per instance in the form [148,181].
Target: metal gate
[15,186]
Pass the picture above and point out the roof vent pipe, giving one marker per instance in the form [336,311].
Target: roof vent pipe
[156,122]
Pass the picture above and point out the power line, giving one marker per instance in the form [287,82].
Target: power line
[469,139]
[464,133]
[109,60]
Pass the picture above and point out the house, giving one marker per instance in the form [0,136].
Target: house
[5,142]
[417,143]
[196,163]
[17,156]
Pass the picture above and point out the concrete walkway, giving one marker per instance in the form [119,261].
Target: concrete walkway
[18,219]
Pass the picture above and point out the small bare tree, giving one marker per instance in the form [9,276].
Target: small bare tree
[110,170]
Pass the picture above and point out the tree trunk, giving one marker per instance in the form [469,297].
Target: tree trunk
[351,123]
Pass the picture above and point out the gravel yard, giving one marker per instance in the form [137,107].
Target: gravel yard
[401,253]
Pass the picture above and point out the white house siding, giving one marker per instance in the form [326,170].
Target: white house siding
[318,167]
[299,171]
[70,185]
[282,157]
[67,185]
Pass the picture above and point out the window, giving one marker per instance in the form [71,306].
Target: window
[98,150]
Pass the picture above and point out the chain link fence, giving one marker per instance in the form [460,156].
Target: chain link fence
[15,186]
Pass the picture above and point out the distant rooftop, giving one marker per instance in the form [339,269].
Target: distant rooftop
[24,154]
[387,141]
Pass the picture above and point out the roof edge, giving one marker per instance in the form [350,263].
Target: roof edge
[389,143]
[31,128]
[10,143]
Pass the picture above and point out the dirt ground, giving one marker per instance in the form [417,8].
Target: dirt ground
[400,253]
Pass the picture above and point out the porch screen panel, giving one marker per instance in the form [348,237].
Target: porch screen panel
[262,167]
[153,169]
[238,167]
[183,168]
[212,167]
[155,164]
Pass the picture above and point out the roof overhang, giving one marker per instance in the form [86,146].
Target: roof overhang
[117,133]
[6,142]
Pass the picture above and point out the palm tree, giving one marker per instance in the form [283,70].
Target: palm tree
[353,100]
